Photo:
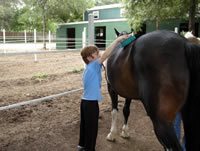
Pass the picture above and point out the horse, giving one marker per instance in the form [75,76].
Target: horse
[162,70]
[126,109]
[188,35]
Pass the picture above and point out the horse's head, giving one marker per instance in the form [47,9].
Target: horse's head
[137,35]
[122,33]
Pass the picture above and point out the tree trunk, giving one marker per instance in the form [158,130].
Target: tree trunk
[44,32]
[157,24]
[192,11]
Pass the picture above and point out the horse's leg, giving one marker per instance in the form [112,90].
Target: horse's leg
[163,116]
[126,112]
[191,112]
[162,102]
[166,135]
[114,98]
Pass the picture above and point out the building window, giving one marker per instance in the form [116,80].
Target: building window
[122,11]
[96,14]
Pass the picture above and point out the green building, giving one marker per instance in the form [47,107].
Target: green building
[106,18]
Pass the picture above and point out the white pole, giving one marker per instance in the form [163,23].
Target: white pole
[38,100]
[35,36]
[49,40]
[91,29]
[25,36]
[4,36]
[49,36]
[84,37]
[35,58]
[4,39]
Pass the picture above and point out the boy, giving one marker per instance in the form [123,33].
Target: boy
[89,108]
[177,128]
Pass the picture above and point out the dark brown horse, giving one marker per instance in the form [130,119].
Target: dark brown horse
[126,109]
[162,69]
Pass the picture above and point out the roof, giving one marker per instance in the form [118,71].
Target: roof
[119,5]
[95,21]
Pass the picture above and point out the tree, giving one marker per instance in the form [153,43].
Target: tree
[37,11]
[139,11]
[71,10]
[192,12]
[7,11]
[46,12]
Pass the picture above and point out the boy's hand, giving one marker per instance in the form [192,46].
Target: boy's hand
[122,38]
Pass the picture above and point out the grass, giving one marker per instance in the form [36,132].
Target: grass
[75,70]
[39,76]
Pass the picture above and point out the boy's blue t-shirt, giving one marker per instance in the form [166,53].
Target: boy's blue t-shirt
[92,81]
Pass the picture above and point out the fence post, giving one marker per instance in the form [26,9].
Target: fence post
[4,36]
[91,29]
[25,40]
[35,58]
[4,40]
[34,35]
[84,37]
[49,40]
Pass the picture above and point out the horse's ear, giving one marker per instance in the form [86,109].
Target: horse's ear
[132,33]
[116,32]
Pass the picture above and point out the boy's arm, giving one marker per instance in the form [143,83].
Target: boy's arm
[110,48]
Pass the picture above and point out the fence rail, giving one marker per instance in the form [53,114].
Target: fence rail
[7,37]
[38,100]
[29,43]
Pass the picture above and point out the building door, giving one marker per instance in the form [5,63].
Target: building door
[71,38]
[100,37]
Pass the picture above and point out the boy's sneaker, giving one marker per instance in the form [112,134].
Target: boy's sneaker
[80,148]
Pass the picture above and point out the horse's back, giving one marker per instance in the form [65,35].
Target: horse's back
[160,50]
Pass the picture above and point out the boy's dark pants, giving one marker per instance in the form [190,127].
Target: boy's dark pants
[89,111]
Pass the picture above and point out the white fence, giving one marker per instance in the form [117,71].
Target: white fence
[12,43]
[24,37]
[24,42]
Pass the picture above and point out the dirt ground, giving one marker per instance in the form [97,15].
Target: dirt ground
[53,125]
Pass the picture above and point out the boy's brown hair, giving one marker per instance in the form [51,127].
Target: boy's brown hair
[88,51]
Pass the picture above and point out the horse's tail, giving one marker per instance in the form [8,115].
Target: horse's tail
[191,110]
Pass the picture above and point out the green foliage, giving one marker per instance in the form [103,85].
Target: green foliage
[7,12]
[18,15]
[139,11]
[35,14]
[107,2]
[75,70]
[39,76]
[71,10]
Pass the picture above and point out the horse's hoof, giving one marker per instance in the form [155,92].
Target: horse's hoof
[125,134]
[125,131]
[110,137]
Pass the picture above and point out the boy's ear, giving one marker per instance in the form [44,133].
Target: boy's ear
[89,58]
